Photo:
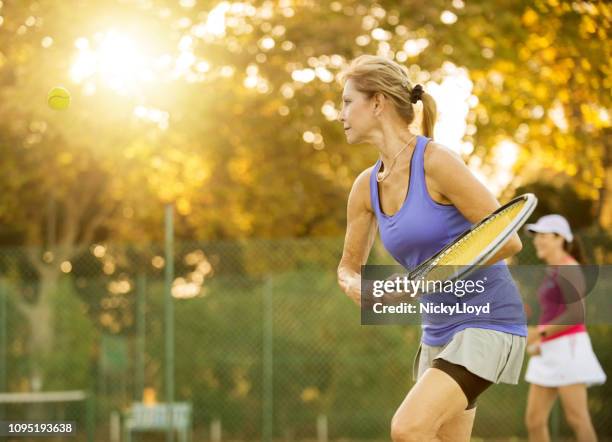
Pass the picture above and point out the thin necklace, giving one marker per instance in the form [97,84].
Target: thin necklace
[380,177]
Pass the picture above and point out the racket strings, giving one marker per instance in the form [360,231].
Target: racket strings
[468,248]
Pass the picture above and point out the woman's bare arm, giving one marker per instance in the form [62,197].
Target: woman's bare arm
[454,180]
[360,234]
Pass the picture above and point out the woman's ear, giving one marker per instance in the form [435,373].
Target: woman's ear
[379,103]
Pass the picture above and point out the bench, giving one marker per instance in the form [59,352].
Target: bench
[156,417]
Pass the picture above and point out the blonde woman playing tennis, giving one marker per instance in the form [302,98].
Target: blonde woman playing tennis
[420,196]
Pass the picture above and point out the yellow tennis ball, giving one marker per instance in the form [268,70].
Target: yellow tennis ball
[58,98]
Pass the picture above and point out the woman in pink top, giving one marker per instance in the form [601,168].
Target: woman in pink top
[562,362]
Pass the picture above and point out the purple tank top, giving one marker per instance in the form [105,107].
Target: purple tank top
[422,227]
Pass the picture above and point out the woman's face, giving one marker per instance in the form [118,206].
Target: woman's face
[356,115]
[547,244]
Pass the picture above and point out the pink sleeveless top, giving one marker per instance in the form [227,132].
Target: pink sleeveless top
[553,304]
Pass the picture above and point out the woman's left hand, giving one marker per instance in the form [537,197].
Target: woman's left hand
[534,349]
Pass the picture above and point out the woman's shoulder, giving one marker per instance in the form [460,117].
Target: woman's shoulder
[437,155]
[442,166]
[361,187]
[363,179]
[570,271]
[570,260]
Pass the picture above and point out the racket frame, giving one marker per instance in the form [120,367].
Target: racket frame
[530,204]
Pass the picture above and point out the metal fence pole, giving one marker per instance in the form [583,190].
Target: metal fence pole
[90,416]
[322,428]
[268,387]
[3,340]
[169,322]
[141,336]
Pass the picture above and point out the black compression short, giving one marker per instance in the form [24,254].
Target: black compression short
[471,384]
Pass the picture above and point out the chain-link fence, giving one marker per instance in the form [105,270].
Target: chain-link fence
[266,345]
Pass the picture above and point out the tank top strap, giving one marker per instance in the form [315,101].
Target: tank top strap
[374,188]
[417,169]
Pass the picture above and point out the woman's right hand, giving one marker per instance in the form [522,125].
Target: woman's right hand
[353,290]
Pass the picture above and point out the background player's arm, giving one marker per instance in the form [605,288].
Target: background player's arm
[360,234]
[454,180]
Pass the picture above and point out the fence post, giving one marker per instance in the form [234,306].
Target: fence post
[215,430]
[3,340]
[322,428]
[140,335]
[169,319]
[268,387]
[115,426]
[90,416]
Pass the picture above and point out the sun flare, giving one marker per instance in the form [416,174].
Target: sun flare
[114,60]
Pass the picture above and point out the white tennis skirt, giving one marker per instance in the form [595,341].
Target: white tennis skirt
[564,361]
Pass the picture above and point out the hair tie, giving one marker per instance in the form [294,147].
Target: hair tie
[416,94]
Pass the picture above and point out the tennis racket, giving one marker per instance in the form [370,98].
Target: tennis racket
[477,244]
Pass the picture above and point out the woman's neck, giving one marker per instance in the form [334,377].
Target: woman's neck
[394,145]
[559,257]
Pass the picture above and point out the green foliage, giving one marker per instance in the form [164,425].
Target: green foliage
[69,365]
[564,200]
